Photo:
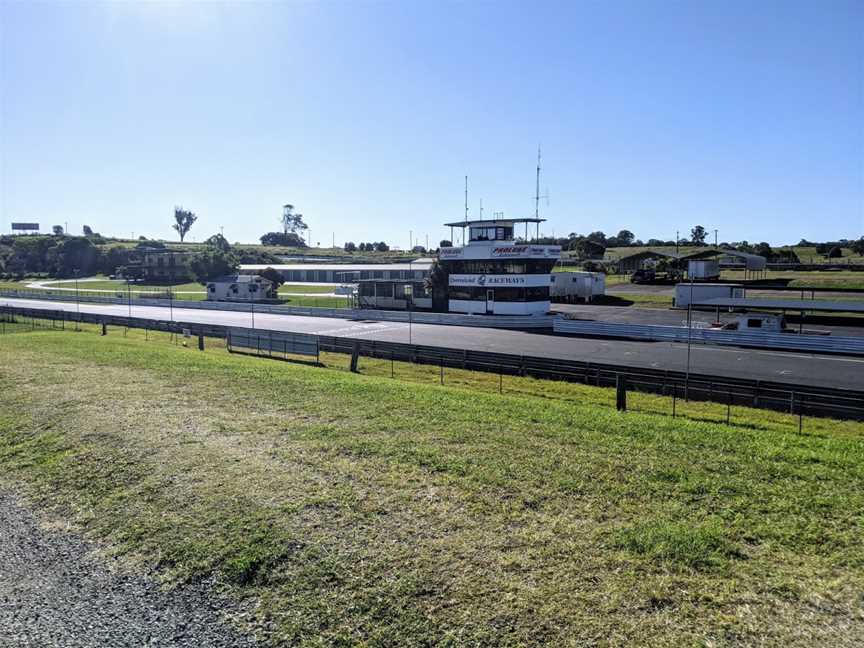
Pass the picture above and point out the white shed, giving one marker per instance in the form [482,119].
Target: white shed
[240,288]
[573,286]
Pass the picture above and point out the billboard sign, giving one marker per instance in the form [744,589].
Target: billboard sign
[25,227]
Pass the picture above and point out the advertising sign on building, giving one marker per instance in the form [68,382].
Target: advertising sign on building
[500,281]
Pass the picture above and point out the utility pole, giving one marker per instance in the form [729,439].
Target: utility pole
[715,238]
[689,341]
[677,237]
[222,231]
[410,240]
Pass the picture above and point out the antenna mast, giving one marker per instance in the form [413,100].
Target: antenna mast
[466,198]
[537,192]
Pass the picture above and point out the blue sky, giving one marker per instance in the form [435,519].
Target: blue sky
[653,116]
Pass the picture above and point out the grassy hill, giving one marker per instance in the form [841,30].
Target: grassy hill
[359,510]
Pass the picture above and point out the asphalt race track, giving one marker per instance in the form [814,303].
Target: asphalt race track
[800,368]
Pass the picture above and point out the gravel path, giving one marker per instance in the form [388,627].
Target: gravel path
[54,592]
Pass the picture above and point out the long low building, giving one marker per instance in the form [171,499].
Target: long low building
[345,272]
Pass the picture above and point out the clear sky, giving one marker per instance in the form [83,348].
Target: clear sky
[653,116]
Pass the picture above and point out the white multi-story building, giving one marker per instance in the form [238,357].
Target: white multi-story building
[495,274]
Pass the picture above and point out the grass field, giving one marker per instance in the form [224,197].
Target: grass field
[187,291]
[839,279]
[364,510]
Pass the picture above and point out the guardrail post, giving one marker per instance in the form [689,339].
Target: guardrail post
[620,393]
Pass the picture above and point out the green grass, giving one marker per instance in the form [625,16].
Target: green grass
[839,279]
[360,510]
[305,288]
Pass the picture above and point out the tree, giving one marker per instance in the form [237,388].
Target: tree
[87,230]
[184,220]
[445,243]
[382,247]
[291,222]
[350,247]
[858,246]
[697,235]
[291,239]
[211,262]
[274,276]
[835,253]
[58,230]
[418,249]
[74,253]
[219,242]
[763,249]
[597,237]
[625,237]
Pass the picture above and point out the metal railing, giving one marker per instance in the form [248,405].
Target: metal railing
[800,399]
[845,345]
[270,342]
[418,317]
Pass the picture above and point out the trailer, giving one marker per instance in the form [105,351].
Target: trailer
[577,286]
[703,269]
[685,293]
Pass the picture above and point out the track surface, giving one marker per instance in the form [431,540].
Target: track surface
[800,368]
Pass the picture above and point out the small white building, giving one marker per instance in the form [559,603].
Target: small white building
[703,291]
[240,287]
[577,286]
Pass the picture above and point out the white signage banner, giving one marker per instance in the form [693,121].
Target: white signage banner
[476,251]
[500,280]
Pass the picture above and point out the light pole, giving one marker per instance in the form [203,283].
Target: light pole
[689,339]
[171,304]
[77,299]
[129,296]
[409,295]
[252,310]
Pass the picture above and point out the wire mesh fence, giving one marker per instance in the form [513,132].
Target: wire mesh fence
[714,398]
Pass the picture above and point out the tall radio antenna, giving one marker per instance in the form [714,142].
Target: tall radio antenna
[466,198]
[537,192]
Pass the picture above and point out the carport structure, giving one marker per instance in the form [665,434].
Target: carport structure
[802,306]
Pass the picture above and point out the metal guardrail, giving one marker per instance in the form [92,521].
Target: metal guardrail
[417,317]
[793,398]
[764,340]
[269,342]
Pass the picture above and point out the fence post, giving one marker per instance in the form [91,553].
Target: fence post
[441,361]
[392,374]
[800,413]
[200,341]
[728,406]
[674,398]
[500,379]
[104,328]
[620,393]
[355,355]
